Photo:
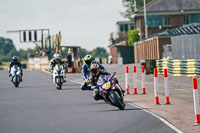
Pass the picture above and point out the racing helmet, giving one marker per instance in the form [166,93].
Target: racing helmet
[54,55]
[15,58]
[57,57]
[94,69]
[88,59]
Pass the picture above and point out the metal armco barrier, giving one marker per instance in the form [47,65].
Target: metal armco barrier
[189,67]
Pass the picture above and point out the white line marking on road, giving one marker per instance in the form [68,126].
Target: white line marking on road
[75,82]
[46,71]
[159,117]
[69,80]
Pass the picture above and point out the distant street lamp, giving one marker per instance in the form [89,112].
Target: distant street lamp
[145,20]
[135,8]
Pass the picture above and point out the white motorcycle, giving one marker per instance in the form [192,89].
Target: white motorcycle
[58,76]
[15,75]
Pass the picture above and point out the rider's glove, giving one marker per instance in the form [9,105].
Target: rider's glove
[87,81]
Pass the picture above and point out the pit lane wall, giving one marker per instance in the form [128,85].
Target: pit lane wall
[38,63]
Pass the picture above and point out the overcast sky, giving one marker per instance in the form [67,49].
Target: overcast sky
[87,23]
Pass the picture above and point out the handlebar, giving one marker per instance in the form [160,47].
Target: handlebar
[112,76]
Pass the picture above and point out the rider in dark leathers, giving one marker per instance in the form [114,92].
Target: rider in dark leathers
[97,75]
[15,61]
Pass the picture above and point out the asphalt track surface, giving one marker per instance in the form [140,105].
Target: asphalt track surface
[37,107]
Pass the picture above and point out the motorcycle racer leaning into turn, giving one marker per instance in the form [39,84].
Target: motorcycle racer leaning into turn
[56,60]
[15,61]
[86,71]
[97,74]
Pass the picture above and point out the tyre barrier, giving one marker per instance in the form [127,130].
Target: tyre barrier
[189,67]
[161,65]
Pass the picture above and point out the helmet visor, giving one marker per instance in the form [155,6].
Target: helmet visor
[57,60]
[94,71]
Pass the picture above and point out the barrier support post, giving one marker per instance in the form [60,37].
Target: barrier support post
[156,86]
[143,80]
[166,87]
[196,100]
[134,79]
[126,80]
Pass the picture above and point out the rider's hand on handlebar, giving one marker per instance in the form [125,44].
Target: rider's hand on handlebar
[87,81]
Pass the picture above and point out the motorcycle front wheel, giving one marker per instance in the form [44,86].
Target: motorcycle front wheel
[59,83]
[116,101]
[16,81]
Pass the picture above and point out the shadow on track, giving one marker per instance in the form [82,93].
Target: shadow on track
[114,110]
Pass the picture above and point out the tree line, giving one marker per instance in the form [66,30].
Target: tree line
[8,50]
[129,6]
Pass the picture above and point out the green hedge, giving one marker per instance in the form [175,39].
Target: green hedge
[5,59]
[133,36]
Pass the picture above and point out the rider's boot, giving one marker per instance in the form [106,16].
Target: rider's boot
[21,78]
[64,79]
[9,75]
[96,94]
[84,87]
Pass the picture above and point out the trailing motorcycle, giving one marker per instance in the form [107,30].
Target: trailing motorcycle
[112,92]
[15,75]
[58,76]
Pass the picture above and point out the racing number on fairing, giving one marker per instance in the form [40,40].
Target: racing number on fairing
[106,85]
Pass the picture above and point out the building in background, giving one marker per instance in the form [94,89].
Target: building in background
[119,43]
[166,14]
